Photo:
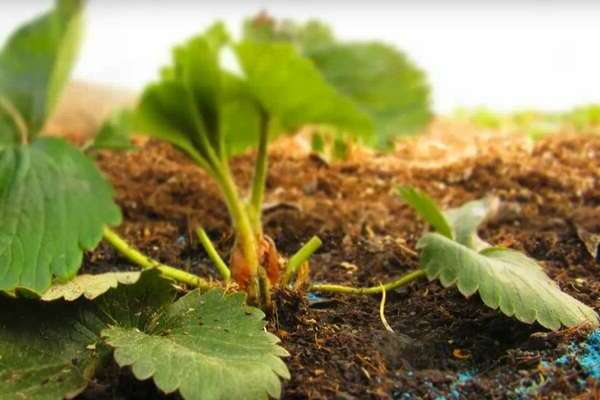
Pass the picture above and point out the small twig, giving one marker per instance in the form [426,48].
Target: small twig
[300,258]
[146,262]
[382,309]
[403,280]
[213,255]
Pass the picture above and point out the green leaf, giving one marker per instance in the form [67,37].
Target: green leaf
[207,346]
[382,82]
[90,286]
[378,78]
[426,207]
[36,61]
[506,280]
[50,351]
[290,88]
[54,204]
[115,132]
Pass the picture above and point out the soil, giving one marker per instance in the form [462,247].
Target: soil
[444,346]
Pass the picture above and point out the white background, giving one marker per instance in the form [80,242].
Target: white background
[504,55]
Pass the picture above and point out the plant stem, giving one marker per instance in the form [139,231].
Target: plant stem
[403,280]
[213,255]
[259,179]
[300,257]
[16,117]
[146,262]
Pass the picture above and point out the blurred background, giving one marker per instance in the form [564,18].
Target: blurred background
[501,55]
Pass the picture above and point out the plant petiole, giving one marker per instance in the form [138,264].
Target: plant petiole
[300,258]
[145,262]
[214,255]
[403,280]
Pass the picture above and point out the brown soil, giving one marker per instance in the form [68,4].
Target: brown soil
[339,347]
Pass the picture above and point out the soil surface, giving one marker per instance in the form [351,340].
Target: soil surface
[444,346]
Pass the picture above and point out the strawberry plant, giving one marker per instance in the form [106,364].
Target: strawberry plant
[505,279]
[211,113]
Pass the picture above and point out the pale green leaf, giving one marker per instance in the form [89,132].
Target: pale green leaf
[90,286]
[207,346]
[54,204]
[290,88]
[115,132]
[50,351]
[426,207]
[36,61]
[465,221]
[506,280]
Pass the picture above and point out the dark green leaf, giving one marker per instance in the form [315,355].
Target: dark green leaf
[36,61]
[49,351]
[54,204]
[207,346]
[291,89]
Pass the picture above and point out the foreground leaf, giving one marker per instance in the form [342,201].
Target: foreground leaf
[49,351]
[207,346]
[36,61]
[90,286]
[54,204]
[505,279]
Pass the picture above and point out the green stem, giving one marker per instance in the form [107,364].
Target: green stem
[403,280]
[16,117]
[213,255]
[300,257]
[259,179]
[146,262]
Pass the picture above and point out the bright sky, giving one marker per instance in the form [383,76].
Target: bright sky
[504,54]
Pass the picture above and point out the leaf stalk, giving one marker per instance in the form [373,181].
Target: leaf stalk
[300,258]
[214,256]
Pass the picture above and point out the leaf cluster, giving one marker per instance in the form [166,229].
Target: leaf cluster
[505,279]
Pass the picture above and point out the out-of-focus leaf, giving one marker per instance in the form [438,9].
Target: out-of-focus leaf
[290,88]
[115,133]
[36,61]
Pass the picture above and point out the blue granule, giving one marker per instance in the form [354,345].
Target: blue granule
[589,359]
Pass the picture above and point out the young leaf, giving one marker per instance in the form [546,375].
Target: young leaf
[50,351]
[90,286]
[115,132]
[54,204]
[290,88]
[36,61]
[505,279]
[207,346]
[426,207]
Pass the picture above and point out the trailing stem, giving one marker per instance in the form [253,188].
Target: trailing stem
[403,280]
[300,258]
[146,262]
